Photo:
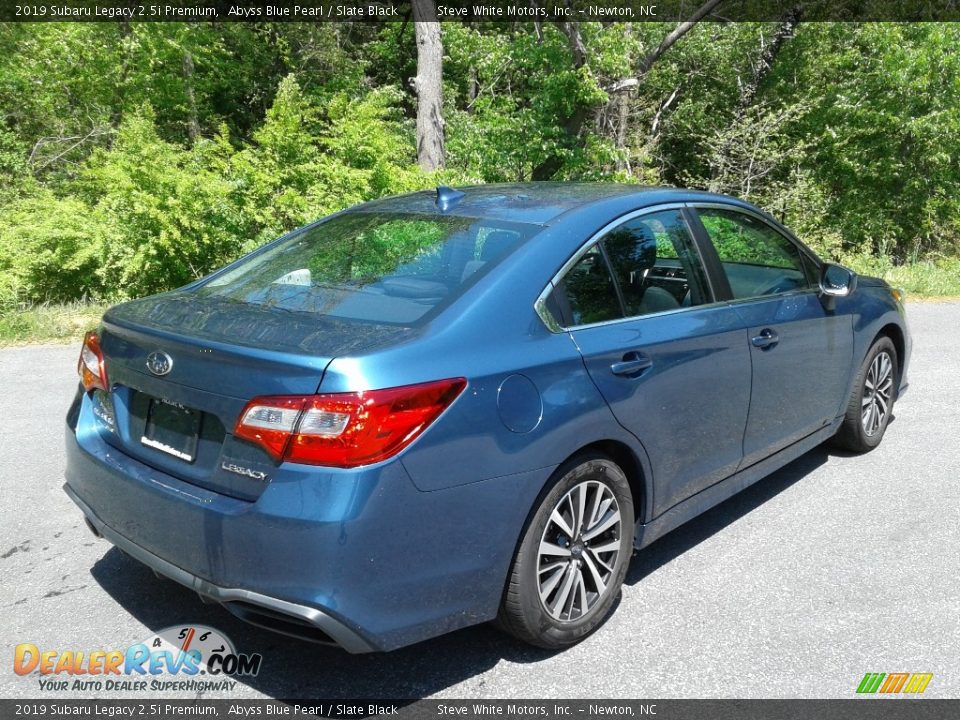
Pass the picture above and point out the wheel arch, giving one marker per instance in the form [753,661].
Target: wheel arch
[895,333]
[628,461]
[626,458]
[633,466]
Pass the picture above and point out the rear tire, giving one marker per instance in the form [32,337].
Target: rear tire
[871,403]
[573,556]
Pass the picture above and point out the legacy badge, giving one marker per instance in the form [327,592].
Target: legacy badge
[246,472]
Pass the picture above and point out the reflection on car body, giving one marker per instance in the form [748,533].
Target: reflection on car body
[438,409]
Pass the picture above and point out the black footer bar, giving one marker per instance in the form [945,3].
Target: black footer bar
[866,708]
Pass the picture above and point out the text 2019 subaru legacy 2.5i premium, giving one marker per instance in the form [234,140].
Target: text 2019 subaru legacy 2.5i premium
[449,407]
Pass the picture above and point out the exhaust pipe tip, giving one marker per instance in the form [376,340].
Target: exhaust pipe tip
[93,529]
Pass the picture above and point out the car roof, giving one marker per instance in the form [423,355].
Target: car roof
[534,202]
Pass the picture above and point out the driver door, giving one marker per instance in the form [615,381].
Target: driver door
[672,364]
[800,353]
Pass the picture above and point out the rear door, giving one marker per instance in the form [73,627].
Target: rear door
[672,364]
[801,353]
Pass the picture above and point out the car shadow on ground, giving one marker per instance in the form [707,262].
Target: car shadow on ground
[299,669]
[688,536]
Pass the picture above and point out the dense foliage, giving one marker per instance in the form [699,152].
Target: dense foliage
[136,157]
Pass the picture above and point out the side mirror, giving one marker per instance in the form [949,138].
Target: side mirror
[836,281]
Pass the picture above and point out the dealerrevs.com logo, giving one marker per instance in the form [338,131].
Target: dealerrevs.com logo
[894,683]
[194,658]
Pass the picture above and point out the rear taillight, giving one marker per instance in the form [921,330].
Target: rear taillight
[93,372]
[345,429]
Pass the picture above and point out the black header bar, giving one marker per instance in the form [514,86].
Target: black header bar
[501,11]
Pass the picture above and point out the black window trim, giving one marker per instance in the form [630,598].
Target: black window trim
[555,325]
[617,290]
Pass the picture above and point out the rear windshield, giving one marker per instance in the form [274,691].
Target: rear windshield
[376,267]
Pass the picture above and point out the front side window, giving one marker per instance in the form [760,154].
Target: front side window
[393,268]
[756,259]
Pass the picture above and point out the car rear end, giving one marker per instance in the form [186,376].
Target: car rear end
[202,443]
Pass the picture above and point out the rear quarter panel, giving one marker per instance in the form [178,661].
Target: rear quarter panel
[489,335]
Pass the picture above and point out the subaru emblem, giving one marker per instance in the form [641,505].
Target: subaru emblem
[159,363]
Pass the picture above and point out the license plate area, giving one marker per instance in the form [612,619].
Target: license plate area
[172,428]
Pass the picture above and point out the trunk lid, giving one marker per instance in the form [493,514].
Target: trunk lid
[213,356]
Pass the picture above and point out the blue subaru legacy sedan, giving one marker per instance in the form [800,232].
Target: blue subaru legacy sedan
[440,409]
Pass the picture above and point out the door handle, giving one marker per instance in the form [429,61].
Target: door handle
[633,365]
[766,339]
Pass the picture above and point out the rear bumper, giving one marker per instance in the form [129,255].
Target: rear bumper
[263,610]
[361,558]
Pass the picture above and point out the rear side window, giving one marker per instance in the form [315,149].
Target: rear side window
[654,266]
[756,259]
[586,294]
[390,268]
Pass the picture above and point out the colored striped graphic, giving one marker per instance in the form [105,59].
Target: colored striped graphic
[918,683]
[893,683]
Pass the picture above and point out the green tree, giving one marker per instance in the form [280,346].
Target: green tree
[167,215]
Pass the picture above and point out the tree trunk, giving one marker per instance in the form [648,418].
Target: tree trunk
[574,124]
[429,85]
[768,55]
[678,32]
[552,164]
[193,122]
[623,121]
[750,89]
[116,116]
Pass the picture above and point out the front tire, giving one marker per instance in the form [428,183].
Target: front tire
[871,404]
[573,557]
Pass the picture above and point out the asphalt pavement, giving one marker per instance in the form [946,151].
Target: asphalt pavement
[833,567]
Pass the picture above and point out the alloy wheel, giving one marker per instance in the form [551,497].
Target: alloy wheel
[578,551]
[877,394]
